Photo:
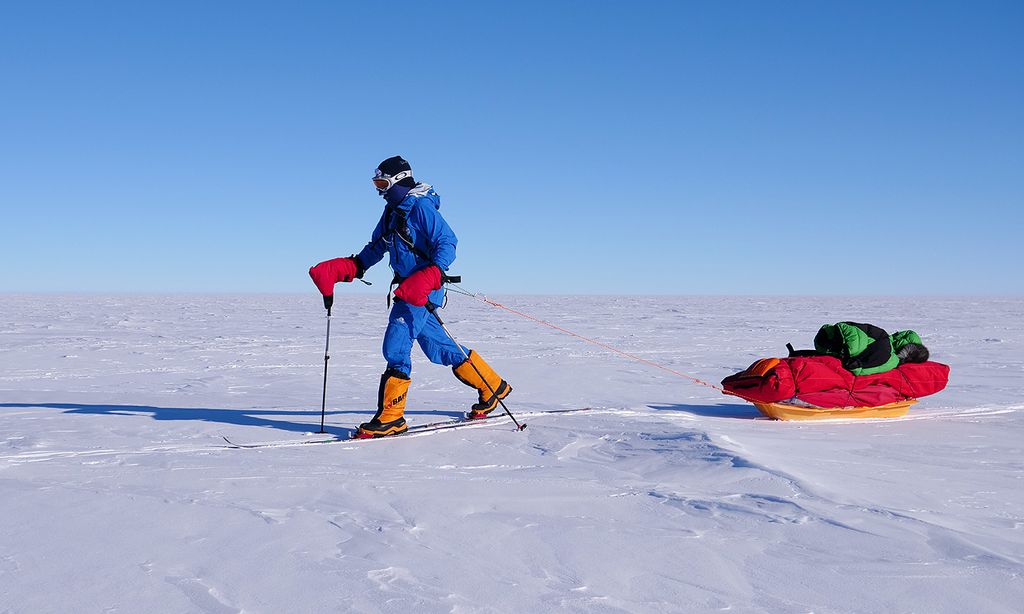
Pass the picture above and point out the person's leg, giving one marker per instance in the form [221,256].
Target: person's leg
[390,416]
[474,372]
[437,345]
[402,328]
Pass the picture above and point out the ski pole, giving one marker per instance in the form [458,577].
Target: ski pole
[327,356]
[432,308]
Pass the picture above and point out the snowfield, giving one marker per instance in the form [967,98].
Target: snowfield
[118,494]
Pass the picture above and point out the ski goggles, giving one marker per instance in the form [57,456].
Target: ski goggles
[384,182]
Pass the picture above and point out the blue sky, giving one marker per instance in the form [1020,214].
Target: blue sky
[578,147]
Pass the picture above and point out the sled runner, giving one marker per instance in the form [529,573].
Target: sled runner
[785,411]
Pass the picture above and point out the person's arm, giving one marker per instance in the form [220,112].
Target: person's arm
[441,242]
[440,238]
[330,272]
[372,253]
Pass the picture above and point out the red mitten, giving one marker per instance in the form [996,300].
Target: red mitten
[330,272]
[416,287]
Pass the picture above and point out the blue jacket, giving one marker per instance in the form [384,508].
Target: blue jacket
[415,235]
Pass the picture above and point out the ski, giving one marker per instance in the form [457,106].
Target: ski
[278,444]
[416,429]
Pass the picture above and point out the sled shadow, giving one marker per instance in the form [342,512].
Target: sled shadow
[238,417]
[739,411]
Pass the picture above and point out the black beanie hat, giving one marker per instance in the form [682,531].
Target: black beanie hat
[394,165]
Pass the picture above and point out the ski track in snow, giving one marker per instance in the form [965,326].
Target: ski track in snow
[119,495]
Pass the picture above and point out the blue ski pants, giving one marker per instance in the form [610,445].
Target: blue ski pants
[408,323]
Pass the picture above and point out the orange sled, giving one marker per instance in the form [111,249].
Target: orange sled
[782,411]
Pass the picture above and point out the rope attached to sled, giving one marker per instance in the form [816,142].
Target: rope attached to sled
[651,363]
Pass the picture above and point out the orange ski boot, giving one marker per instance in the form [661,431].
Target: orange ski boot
[389,419]
[478,374]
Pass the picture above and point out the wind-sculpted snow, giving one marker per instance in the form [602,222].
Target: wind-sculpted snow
[118,493]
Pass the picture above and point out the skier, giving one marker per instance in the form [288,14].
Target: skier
[421,247]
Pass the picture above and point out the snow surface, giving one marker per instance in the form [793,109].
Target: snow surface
[116,494]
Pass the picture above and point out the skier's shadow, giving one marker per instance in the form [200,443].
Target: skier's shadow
[740,411]
[267,418]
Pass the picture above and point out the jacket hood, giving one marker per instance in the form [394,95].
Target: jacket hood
[424,193]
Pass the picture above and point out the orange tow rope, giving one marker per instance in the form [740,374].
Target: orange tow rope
[589,340]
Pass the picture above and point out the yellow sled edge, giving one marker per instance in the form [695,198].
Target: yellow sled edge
[782,411]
